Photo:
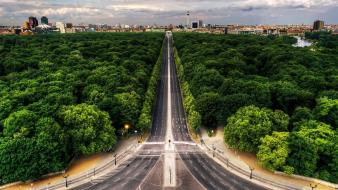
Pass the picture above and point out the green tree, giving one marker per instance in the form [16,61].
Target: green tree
[245,128]
[300,114]
[311,148]
[89,129]
[28,161]
[207,105]
[20,123]
[129,106]
[6,107]
[51,137]
[274,150]
[287,96]
[327,111]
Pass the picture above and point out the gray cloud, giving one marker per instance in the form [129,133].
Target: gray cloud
[169,11]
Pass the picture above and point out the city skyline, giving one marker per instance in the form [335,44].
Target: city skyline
[15,12]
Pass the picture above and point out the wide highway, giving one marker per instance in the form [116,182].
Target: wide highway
[132,174]
[194,169]
[209,173]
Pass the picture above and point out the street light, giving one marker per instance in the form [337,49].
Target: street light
[141,137]
[313,185]
[138,138]
[66,179]
[214,148]
[251,169]
[126,127]
[115,158]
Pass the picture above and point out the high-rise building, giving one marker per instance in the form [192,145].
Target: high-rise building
[194,24]
[44,20]
[318,25]
[200,24]
[33,22]
[197,24]
[61,27]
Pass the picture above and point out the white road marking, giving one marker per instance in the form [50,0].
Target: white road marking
[169,156]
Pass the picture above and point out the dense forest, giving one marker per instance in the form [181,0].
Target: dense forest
[62,96]
[275,100]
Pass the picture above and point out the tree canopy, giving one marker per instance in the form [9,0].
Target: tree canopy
[269,95]
[63,96]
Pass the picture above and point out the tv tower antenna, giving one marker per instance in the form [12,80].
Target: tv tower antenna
[188,15]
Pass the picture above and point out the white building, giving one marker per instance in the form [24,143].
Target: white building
[61,27]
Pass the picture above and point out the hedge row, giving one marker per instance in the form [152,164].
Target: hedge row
[145,118]
[194,117]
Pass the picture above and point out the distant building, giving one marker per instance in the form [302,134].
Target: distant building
[271,31]
[171,27]
[226,30]
[69,25]
[65,28]
[197,24]
[318,25]
[194,24]
[44,20]
[33,22]
[200,23]
[26,25]
[61,27]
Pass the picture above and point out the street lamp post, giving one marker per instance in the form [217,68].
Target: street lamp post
[251,169]
[126,126]
[313,185]
[66,179]
[115,158]
[138,136]
[213,148]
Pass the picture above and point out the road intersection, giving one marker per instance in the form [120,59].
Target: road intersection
[169,159]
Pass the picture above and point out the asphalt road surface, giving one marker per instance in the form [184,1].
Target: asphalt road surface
[130,174]
[160,111]
[208,172]
[195,170]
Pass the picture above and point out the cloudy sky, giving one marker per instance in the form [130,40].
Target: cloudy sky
[171,11]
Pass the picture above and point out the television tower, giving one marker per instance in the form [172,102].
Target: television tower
[188,14]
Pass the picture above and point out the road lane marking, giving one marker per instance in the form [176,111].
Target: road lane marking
[169,169]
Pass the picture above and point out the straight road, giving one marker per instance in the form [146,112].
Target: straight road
[145,170]
[158,129]
[132,174]
[180,129]
[209,173]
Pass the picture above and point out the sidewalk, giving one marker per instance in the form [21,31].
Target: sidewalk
[245,160]
[79,166]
